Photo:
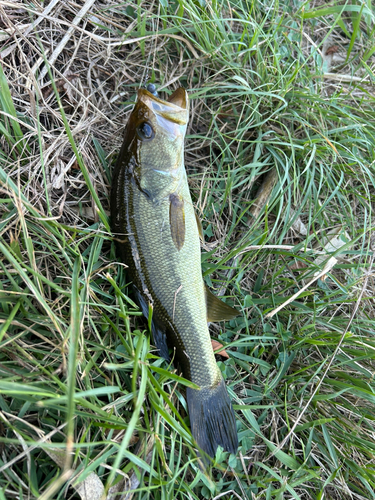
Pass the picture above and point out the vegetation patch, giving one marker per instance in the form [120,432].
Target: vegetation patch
[280,155]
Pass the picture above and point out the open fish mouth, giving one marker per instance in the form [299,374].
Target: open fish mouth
[174,109]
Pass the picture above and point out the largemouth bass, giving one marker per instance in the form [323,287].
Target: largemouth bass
[157,236]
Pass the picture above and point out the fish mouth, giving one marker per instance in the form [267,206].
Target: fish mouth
[174,109]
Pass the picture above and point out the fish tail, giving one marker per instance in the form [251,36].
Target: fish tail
[212,419]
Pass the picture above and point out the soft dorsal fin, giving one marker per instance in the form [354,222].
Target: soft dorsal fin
[177,220]
[217,310]
[200,227]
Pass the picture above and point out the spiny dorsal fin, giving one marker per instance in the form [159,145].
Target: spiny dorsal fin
[217,310]
[200,227]
[177,220]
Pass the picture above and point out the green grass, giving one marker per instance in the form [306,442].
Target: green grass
[81,388]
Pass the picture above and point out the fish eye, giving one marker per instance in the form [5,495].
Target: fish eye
[145,131]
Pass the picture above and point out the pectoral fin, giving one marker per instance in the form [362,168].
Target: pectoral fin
[217,310]
[177,220]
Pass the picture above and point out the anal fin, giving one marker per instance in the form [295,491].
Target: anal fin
[217,310]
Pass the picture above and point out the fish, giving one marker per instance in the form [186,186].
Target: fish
[157,235]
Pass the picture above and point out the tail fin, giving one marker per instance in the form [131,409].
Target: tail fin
[212,419]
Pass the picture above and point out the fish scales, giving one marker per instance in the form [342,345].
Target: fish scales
[177,283]
[157,236]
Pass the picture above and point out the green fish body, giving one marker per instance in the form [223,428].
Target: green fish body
[157,236]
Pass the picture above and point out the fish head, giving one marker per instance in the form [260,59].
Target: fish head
[155,135]
[167,118]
